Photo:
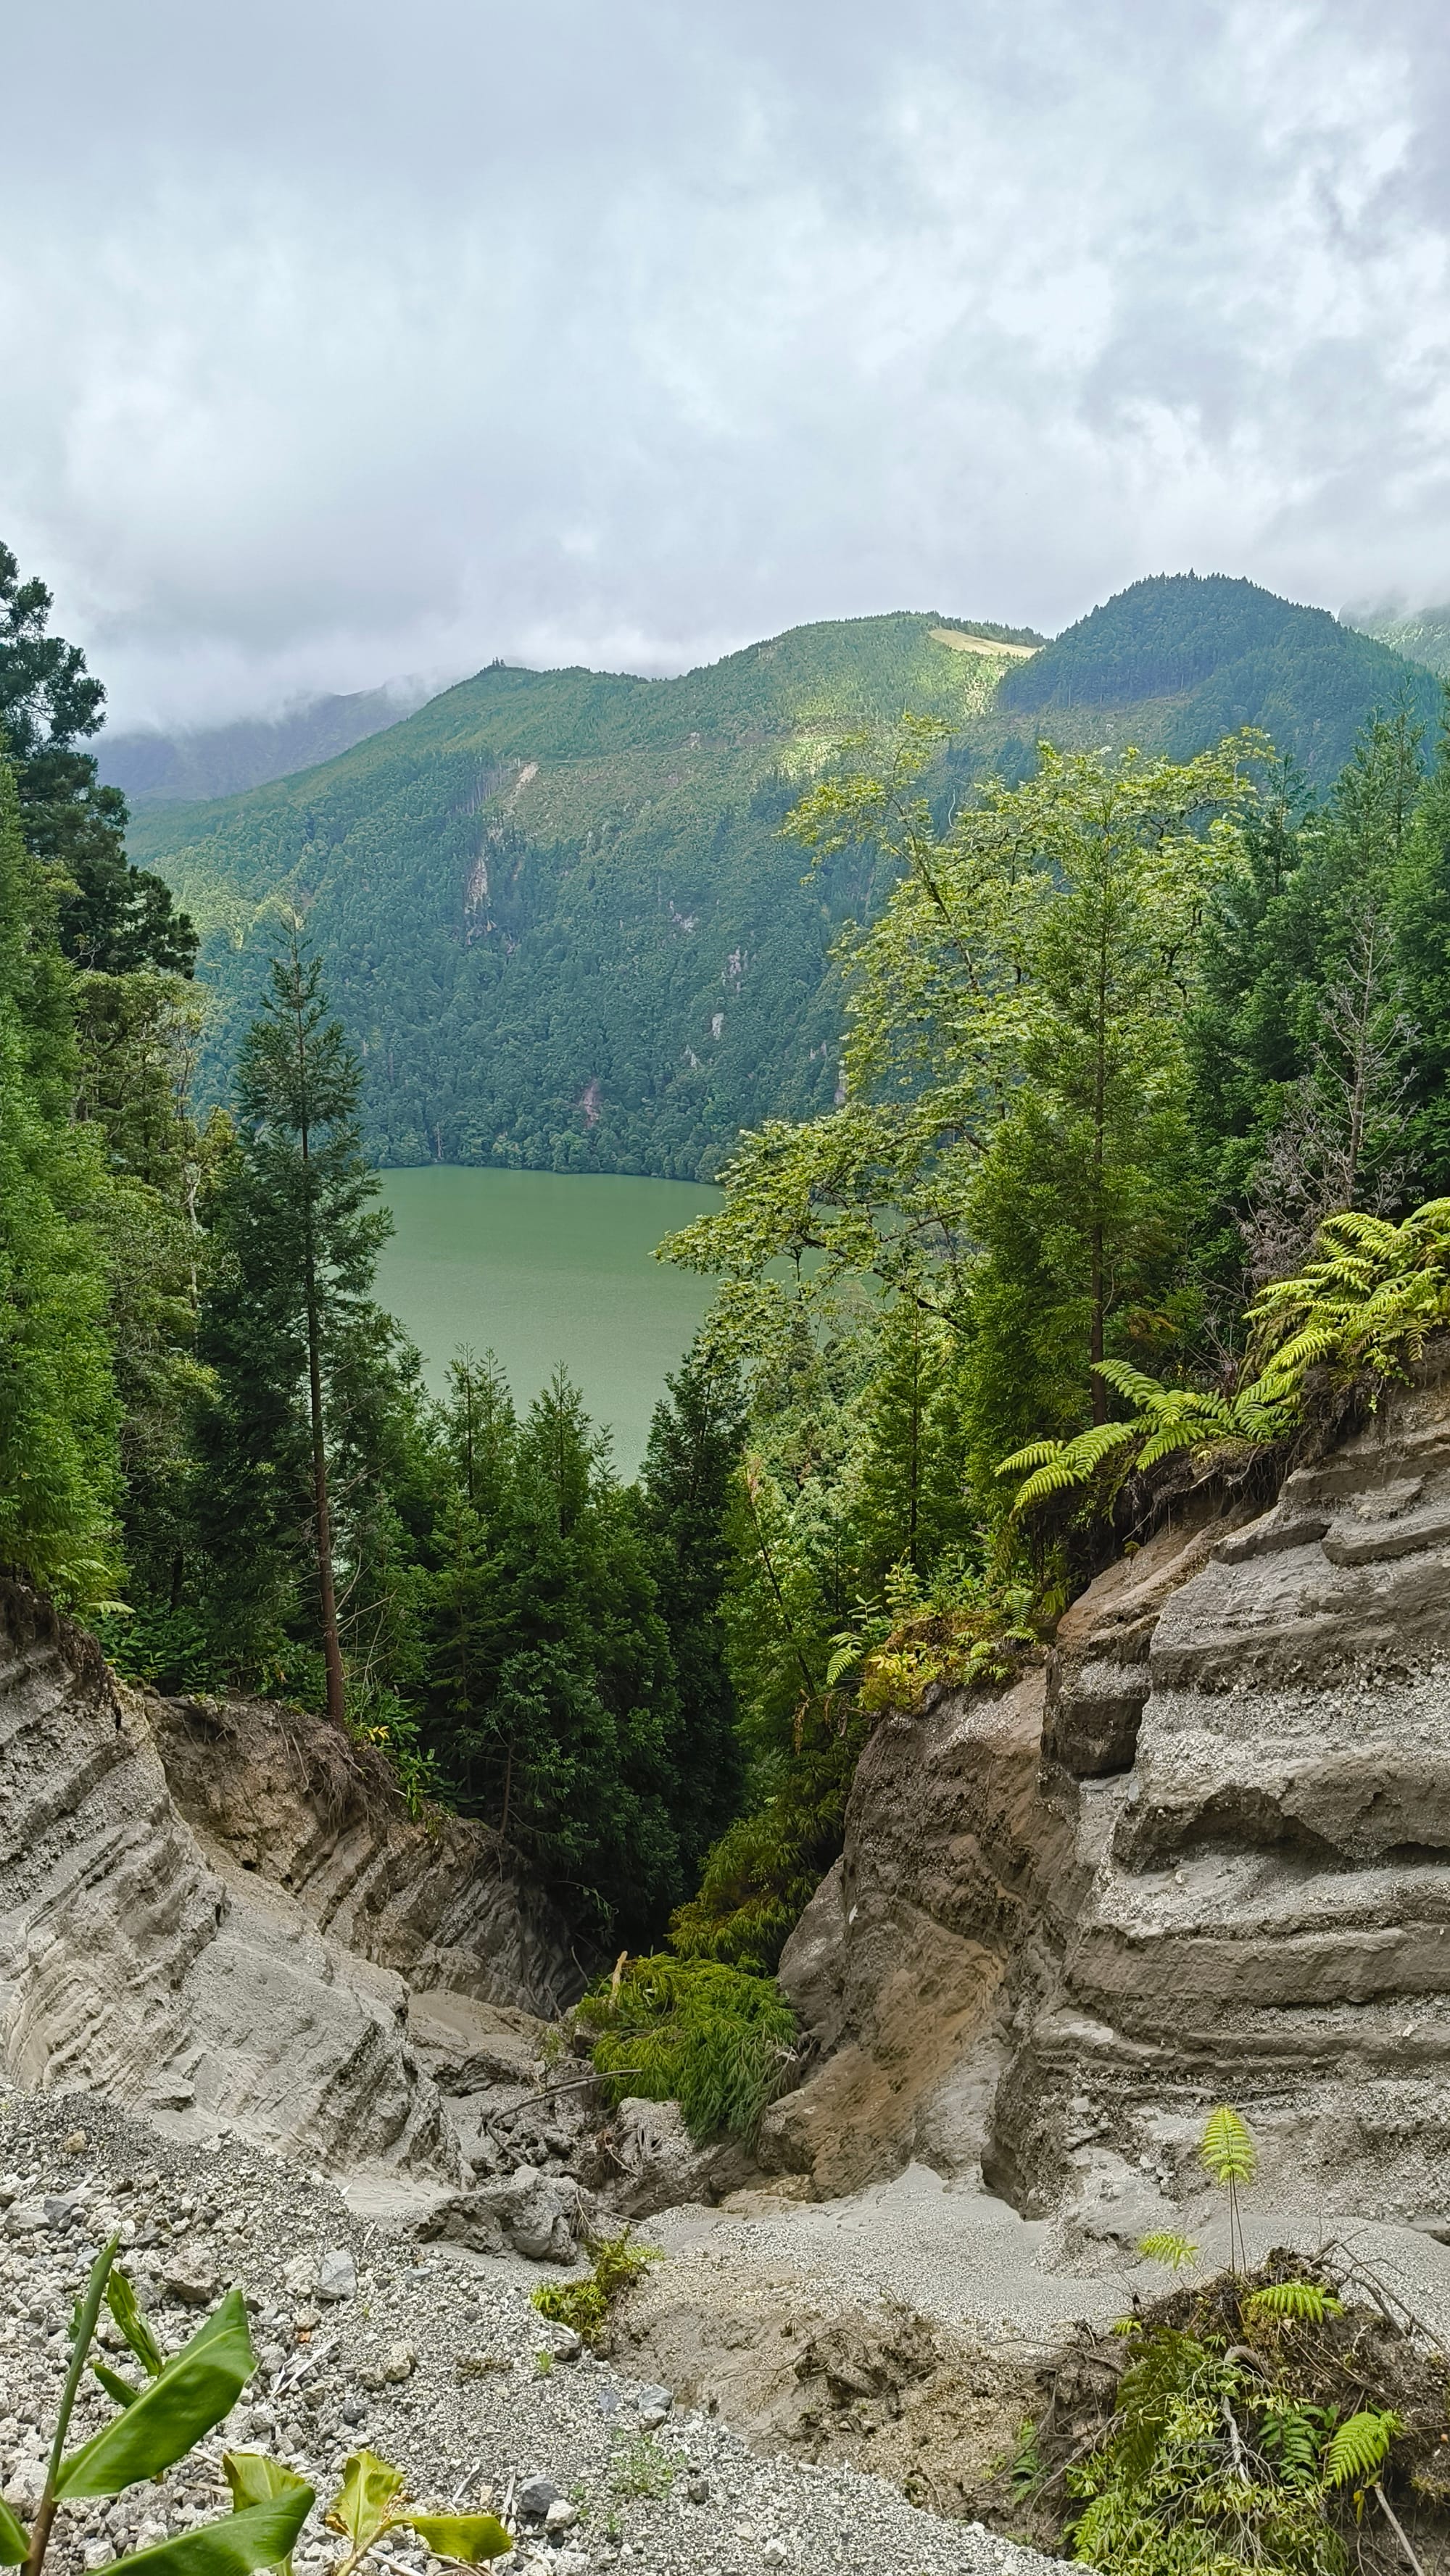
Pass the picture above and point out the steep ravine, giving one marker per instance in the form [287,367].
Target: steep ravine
[1203,1853]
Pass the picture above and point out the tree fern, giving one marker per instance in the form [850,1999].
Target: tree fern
[1364,1308]
[1357,2451]
[1303,2301]
[1178,2252]
[1166,1419]
[1227,2146]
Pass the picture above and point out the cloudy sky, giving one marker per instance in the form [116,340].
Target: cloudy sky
[348,338]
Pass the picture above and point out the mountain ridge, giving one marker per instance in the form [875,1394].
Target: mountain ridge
[555,908]
[191,764]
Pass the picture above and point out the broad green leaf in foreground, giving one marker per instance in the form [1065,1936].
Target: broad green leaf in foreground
[255,2479]
[364,2508]
[14,2538]
[472,2537]
[196,2388]
[261,2535]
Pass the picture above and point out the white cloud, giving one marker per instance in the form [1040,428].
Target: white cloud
[344,340]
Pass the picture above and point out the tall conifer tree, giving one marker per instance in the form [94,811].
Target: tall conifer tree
[695,1442]
[287,1323]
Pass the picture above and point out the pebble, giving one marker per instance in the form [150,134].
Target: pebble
[536,2496]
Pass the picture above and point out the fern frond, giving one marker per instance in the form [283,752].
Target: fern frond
[1036,1454]
[1358,2450]
[1163,2247]
[1290,2437]
[1174,1435]
[1304,2301]
[1133,1384]
[1227,2146]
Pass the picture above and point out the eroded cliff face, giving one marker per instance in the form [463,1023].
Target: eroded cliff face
[1204,1855]
[214,1914]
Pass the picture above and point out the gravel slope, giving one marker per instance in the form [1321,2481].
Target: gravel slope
[435,2359]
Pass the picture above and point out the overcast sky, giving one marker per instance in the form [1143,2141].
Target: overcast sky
[348,338]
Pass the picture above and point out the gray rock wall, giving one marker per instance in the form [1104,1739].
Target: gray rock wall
[243,1946]
[1204,1855]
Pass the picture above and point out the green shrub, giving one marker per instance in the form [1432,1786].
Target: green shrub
[711,2038]
[585,2305]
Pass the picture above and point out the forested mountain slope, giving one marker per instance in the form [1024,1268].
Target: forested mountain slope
[554,907]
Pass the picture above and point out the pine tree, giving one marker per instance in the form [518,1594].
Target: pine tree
[301,1357]
[111,916]
[554,1705]
[912,1506]
[694,1447]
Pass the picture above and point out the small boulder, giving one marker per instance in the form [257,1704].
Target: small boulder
[191,2278]
[562,2512]
[536,2214]
[399,2363]
[336,2275]
[27,2217]
[536,2496]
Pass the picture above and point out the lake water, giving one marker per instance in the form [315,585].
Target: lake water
[543,1267]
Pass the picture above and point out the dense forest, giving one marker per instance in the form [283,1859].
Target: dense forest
[615,962]
[1136,1142]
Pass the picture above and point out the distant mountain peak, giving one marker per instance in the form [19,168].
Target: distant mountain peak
[194,762]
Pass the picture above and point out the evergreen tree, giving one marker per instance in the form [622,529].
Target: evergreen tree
[695,1441]
[1310,1059]
[1421,911]
[554,1705]
[59,1469]
[111,916]
[299,1354]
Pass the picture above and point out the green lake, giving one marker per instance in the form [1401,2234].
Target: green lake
[544,1267]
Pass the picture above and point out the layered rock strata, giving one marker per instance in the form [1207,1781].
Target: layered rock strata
[1204,1854]
[218,1917]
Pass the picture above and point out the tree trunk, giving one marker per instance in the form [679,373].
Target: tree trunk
[326,1587]
[1095,1334]
[1100,1097]
[321,1514]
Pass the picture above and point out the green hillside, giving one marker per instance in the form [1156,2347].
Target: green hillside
[554,907]
[1178,660]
